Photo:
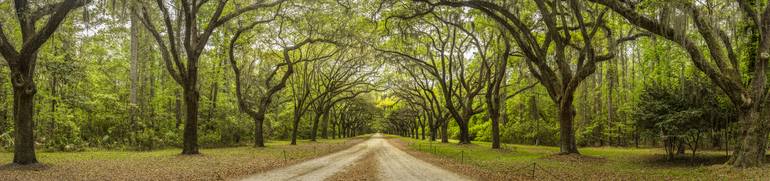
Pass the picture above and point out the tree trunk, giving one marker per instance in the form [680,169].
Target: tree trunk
[259,140]
[294,129]
[433,133]
[23,110]
[314,129]
[433,127]
[422,131]
[333,130]
[495,116]
[177,109]
[680,149]
[54,93]
[190,145]
[213,106]
[463,125]
[444,132]
[341,128]
[753,142]
[134,68]
[325,126]
[566,123]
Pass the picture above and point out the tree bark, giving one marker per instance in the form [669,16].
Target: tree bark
[753,142]
[259,140]
[422,131]
[314,129]
[190,144]
[134,68]
[325,126]
[464,136]
[494,115]
[24,108]
[295,126]
[433,128]
[566,126]
[444,132]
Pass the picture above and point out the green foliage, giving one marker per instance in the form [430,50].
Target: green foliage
[67,137]
[676,111]
[6,140]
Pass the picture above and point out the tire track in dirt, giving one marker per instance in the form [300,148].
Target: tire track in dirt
[319,168]
[374,159]
[364,170]
[398,165]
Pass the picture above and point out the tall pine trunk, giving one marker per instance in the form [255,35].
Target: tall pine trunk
[134,68]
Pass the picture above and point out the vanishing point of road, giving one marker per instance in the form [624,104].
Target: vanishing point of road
[392,164]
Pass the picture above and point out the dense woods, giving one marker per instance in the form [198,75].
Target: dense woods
[152,74]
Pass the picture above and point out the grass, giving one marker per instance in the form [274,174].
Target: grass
[597,163]
[168,164]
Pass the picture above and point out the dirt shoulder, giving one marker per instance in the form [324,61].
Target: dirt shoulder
[212,164]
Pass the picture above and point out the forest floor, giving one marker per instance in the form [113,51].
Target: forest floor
[168,164]
[527,162]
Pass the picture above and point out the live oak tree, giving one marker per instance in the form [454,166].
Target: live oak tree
[182,45]
[301,83]
[443,56]
[722,63]
[342,78]
[496,77]
[419,89]
[569,40]
[358,118]
[543,72]
[22,61]
[257,110]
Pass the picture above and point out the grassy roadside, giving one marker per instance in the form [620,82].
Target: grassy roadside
[515,162]
[168,164]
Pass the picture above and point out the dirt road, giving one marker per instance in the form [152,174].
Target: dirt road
[393,164]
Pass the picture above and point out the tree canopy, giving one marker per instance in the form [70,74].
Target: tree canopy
[149,74]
